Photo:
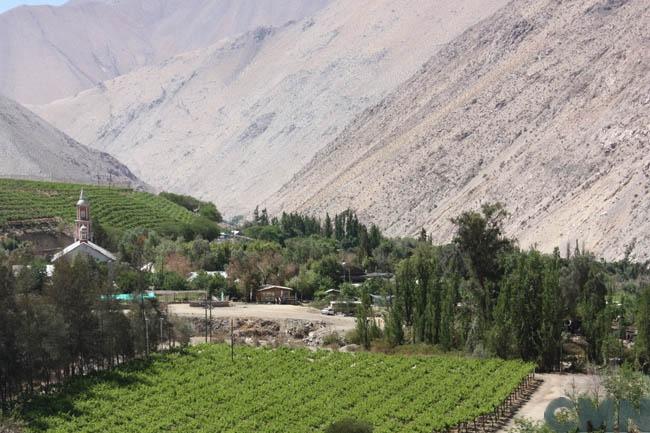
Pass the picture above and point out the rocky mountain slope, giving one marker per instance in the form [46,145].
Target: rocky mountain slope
[31,148]
[85,42]
[545,106]
[234,122]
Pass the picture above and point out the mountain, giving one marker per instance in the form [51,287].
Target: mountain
[235,121]
[85,42]
[545,107]
[33,149]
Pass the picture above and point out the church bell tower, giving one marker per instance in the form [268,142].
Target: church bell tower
[83,232]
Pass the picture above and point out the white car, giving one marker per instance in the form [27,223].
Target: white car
[327,311]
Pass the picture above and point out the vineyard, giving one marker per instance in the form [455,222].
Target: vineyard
[115,207]
[279,391]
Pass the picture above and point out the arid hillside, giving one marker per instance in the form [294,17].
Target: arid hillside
[545,107]
[32,149]
[48,53]
[235,121]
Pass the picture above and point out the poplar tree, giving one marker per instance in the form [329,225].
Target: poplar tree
[551,325]
[9,362]
[642,343]
[327,228]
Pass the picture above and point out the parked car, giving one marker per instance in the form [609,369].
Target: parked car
[327,311]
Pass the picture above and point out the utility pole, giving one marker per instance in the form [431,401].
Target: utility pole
[205,307]
[161,330]
[232,341]
[146,334]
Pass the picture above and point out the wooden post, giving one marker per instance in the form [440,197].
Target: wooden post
[232,341]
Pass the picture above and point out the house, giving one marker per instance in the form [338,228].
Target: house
[333,293]
[275,294]
[83,236]
[381,300]
[192,275]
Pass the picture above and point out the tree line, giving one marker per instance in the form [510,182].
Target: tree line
[483,294]
[71,324]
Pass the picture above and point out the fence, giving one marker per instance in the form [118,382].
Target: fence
[497,419]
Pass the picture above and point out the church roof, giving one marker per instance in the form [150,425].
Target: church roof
[88,247]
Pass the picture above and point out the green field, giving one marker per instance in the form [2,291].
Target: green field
[279,391]
[115,207]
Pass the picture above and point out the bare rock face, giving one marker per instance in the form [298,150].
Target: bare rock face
[85,42]
[233,122]
[545,107]
[31,148]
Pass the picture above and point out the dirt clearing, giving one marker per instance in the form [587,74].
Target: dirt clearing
[554,386]
[268,312]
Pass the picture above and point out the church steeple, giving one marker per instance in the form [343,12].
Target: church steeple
[83,232]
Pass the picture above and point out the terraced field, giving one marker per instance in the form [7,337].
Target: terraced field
[278,391]
[115,207]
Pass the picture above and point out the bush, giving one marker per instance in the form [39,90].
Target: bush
[10,425]
[352,337]
[331,339]
[200,226]
[349,425]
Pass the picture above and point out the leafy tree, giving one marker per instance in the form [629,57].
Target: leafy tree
[596,323]
[405,289]
[307,249]
[423,235]
[642,344]
[9,361]
[552,314]
[172,281]
[448,313]
[328,231]
[480,238]
[624,384]
[395,321]
[374,237]
[137,246]
[363,327]
[328,267]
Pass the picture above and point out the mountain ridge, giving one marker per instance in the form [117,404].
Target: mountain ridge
[540,107]
[251,111]
[33,149]
[83,43]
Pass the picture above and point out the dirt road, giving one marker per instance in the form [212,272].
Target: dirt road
[268,312]
[554,386]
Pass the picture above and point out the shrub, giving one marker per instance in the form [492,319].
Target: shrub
[349,425]
[331,339]
[10,425]
[352,337]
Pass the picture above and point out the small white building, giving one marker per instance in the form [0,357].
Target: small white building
[83,236]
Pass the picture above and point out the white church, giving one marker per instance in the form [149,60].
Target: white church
[83,236]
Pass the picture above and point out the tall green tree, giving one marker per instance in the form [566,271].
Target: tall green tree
[364,311]
[327,226]
[480,238]
[595,320]
[551,320]
[9,361]
[642,344]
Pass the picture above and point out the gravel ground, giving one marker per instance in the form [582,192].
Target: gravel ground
[268,312]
